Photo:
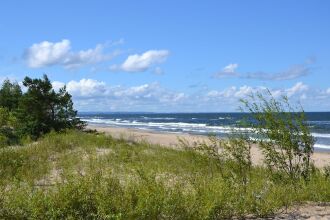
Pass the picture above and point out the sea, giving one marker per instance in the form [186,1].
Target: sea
[220,124]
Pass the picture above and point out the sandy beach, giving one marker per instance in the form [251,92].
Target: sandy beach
[321,159]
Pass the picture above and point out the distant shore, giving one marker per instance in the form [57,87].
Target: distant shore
[321,159]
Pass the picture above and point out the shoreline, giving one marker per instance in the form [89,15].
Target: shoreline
[321,158]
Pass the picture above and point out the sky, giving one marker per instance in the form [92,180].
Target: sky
[170,56]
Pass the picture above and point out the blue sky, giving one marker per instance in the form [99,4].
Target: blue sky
[170,56]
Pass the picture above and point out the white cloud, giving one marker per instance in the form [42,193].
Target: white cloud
[233,92]
[137,92]
[57,85]
[297,88]
[243,91]
[94,95]
[227,71]
[90,94]
[90,56]
[142,62]
[230,68]
[87,88]
[292,72]
[47,53]
[303,96]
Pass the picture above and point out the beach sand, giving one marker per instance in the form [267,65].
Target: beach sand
[321,159]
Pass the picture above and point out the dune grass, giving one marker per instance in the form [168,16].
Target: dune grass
[76,175]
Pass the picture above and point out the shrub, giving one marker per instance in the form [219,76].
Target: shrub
[232,157]
[7,128]
[284,136]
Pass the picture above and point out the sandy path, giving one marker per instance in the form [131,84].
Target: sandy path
[321,159]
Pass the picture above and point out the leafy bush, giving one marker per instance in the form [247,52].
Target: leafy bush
[283,133]
[232,157]
[8,124]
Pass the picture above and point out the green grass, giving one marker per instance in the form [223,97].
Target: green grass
[75,175]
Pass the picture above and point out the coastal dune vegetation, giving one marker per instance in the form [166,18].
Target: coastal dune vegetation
[53,168]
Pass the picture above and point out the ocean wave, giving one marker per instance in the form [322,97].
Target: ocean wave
[322,146]
[319,122]
[189,127]
[158,118]
[194,128]
[224,118]
[321,135]
[199,127]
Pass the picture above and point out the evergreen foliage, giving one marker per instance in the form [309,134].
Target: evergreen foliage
[10,94]
[39,110]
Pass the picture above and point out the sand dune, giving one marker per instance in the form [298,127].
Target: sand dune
[321,159]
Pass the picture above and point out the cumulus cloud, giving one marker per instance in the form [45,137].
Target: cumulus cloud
[142,62]
[292,72]
[232,92]
[92,95]
[297,88]
[87,88]
[57,85]
[45,54]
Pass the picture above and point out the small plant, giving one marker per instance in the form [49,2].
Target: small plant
[326,170]
[232,157]
[284,136]
[8,123]
[237,151]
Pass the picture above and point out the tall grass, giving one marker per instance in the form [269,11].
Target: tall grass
[75,175]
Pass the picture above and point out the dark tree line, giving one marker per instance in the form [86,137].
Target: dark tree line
[35,112]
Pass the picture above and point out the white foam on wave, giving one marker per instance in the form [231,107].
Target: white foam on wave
[322,146]
[319,122]
[158,118]
[187,127]
[223,118]
[179,127]
[321,135]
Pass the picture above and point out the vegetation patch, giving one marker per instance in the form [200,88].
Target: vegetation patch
[130,182]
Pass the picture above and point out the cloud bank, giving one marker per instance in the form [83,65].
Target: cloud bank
[93,95]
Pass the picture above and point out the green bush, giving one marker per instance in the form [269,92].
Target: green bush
[3,141]
[284,136]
